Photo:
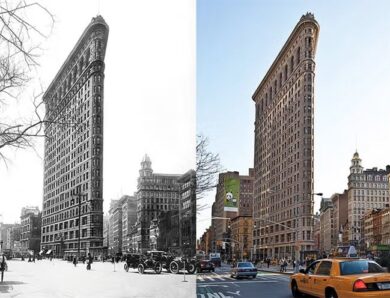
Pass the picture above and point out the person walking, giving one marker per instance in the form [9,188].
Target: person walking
[90,260]
[3,267]
[74,261]
[268,262]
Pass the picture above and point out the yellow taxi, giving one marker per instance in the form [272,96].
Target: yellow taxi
[341,277]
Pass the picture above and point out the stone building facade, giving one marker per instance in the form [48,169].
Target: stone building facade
[284,147]
[187,213]
[72,213]
[30,238]
[327,226]
[367,190]
[156,194]
[241,234]
[245,207]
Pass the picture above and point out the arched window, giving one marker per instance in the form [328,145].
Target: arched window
[87,56]
[291,64]
[81,64]
[298,55]
[285,72]
[75,73]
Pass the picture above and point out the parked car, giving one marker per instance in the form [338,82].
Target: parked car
[132,260]
[243,269]
[216,261]
[183,264]
[205,265]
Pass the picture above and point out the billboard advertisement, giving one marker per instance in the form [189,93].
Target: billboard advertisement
[231,194]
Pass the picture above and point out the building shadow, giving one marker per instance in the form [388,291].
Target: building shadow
[7,286]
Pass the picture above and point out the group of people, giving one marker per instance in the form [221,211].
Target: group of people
[83,259]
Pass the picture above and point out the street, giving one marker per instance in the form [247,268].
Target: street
[57,278]
[219,284]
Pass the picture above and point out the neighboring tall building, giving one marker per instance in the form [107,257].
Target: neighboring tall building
[284,147]
[317,232]
[367,190]
[187,213]
[241,233]
[340,214]
[73,165]
[327,235]
[106,242]
[112,230]
[129,217]
[157,193]
[245,204]
[30,238]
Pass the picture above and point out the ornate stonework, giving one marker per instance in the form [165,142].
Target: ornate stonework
[73,165]
[284,138]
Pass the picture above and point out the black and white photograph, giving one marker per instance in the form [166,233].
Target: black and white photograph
[97,148]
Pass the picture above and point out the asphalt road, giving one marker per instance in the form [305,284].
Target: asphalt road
[219,284]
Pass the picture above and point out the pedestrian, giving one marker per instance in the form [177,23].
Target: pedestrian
[3,266]
[74,261]
[268,262]
[285,265]
[90,260]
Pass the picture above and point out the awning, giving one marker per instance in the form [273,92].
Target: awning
[48,252]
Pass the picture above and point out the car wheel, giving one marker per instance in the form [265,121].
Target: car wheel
[294,289]
[330,293]
[174,267]
[191,268]
[126,267]
[141,268]
[158,268]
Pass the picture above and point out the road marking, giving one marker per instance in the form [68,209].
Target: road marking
[210,278]
[205,284]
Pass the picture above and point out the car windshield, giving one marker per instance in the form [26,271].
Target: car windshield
[360,267]
[245,264]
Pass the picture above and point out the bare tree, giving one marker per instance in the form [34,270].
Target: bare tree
[207,168]
[20,41]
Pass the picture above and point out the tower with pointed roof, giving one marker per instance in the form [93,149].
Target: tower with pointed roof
[367,189]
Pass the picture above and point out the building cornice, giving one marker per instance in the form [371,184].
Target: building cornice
[95,23]
[305,19]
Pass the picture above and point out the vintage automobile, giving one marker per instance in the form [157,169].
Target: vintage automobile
[183,263]
[243,269]
[163,257]
[149,261]
[341,277]
[132,260]
[205,265]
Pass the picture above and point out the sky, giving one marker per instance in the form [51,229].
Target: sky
[237,41]
[149,96]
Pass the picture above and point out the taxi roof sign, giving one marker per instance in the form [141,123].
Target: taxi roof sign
[348,251]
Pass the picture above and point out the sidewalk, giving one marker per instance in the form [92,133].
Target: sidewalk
[275,269]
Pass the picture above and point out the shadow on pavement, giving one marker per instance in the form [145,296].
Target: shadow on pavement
[7,286]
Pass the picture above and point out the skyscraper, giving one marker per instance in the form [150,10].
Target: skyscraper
[72,216]
[284,139]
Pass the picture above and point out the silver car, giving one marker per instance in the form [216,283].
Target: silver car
[243,269]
